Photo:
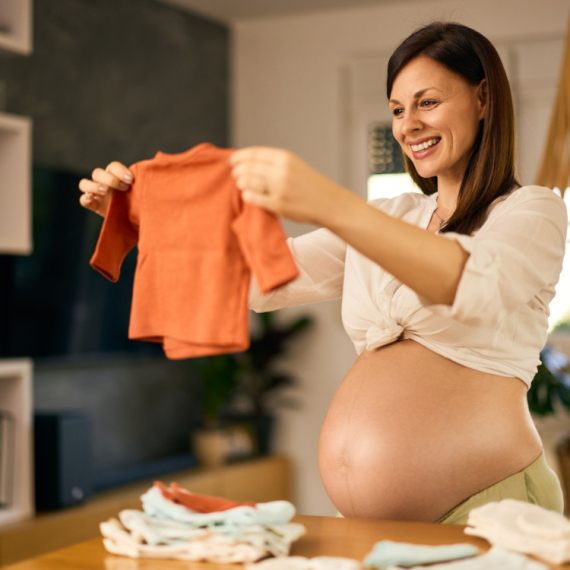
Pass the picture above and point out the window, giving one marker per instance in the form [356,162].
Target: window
[388,178]
[560,305]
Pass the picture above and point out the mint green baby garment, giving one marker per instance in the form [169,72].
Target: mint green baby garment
[388,553]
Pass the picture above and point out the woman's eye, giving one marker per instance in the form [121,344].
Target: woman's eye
[427,103]
[397,112]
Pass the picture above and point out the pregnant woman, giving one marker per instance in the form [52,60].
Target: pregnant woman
[445,294]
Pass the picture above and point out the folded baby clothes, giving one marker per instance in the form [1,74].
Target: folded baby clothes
[303,563]
[203,545]
[523,527]
[198,503]
[167,529]
[387,553]
[495,559]
[273,512]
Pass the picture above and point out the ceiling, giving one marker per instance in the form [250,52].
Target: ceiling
[229,10]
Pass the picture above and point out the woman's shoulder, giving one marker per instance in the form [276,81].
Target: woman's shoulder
[536,198]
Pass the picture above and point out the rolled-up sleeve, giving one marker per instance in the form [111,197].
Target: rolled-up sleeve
[319,256]
[516,254]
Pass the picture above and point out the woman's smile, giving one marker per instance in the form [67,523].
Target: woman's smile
[424,147]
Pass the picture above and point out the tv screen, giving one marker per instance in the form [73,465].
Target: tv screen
[52,303]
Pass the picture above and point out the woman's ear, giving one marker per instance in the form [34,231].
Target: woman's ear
[482,97]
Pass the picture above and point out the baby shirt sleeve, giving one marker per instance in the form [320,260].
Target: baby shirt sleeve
[516,254]
[120,230]
[263,244]
[320,256]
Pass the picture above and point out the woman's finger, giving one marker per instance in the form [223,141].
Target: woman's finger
[256,183]
[260,154]
[90,202]
[92,187]
[248,168]
[258,199]
[109,179]
[121,172]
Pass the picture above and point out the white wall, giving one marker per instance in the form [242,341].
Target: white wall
[296,85]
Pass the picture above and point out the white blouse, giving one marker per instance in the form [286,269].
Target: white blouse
[499,319]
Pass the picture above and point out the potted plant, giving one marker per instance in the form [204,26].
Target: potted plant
[240,391]
[260,381]
[219,379]
[551,384]
[549,393]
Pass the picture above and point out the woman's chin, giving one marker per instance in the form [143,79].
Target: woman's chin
[426,172]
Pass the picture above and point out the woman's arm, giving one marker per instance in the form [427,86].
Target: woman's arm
[475,279]
[284,184]
[429,264]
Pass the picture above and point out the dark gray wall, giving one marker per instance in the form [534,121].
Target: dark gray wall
[119,80]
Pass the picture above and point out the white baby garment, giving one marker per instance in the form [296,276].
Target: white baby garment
[495,559]
[522,527]
[388,553]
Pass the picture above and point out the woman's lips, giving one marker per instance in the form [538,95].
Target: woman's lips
[426,152]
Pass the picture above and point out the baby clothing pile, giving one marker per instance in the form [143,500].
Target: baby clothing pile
[185,526]
[182,525]
[523,527]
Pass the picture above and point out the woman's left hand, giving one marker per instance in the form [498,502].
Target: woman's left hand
[279,181]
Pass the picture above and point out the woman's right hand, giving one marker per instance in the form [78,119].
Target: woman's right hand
[98,191]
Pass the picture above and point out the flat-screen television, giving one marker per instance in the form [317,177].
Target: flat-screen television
[52,303]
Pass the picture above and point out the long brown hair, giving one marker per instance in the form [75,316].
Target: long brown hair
[491,170]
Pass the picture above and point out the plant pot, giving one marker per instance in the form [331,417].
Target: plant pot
[210,446]
[261,428]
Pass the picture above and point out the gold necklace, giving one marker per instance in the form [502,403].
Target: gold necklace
[441,220]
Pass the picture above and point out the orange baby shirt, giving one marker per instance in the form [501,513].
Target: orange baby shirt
[198,244]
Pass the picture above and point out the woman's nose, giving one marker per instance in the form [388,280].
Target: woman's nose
[410,123]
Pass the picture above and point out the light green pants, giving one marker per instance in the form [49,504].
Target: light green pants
[536,484]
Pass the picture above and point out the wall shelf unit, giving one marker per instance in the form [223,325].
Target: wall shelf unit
[16,399]
[15,185]
[16,238]
[16,26]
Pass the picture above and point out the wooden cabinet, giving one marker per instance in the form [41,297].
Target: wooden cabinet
[258,480]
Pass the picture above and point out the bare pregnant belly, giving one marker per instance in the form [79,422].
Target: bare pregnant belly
[410,434]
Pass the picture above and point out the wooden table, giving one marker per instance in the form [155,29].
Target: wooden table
[330,536]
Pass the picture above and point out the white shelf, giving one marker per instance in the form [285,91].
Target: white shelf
[16,398]
[15,140]
[15,184]
[16,26]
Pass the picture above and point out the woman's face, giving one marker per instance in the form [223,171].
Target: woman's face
[436,116]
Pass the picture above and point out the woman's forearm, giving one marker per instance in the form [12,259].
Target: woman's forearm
[429,264]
